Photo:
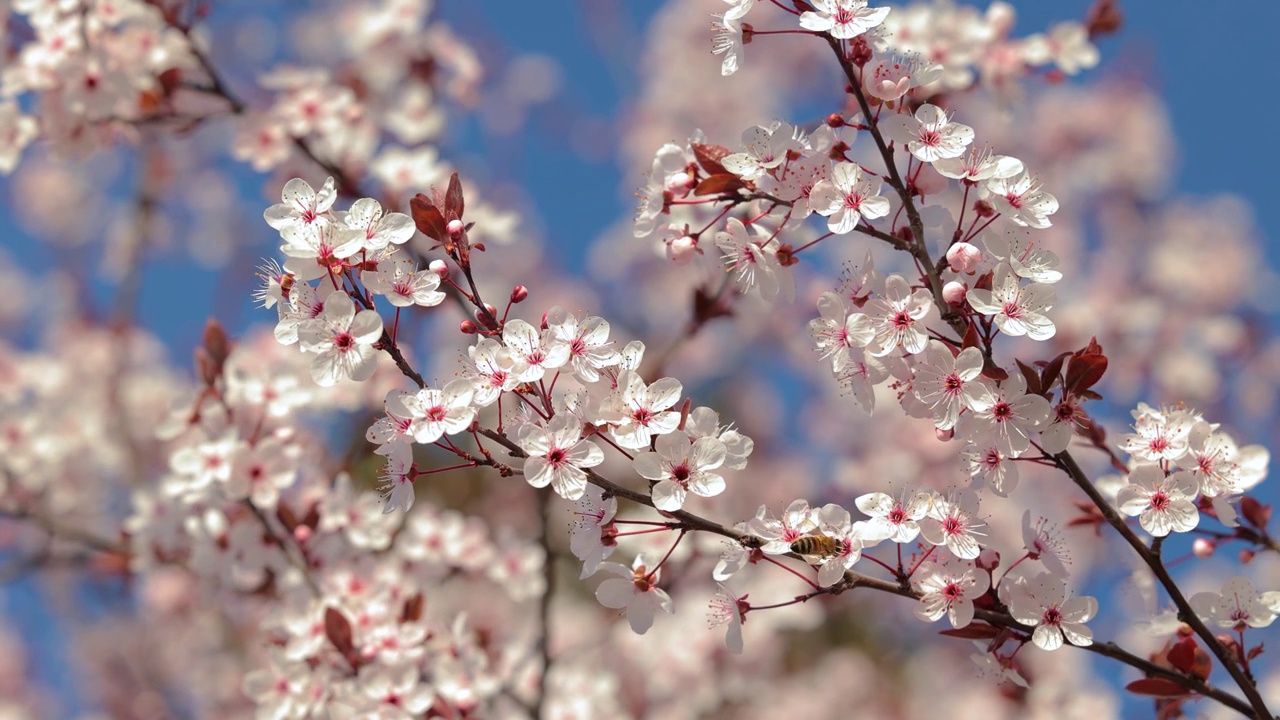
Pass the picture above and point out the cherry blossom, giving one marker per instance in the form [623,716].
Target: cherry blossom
[638,411]
[371,229]
[897,317]
[532,353]
[679,466]
[842,18]
[342,340]
[797,521]
[766,148]
[587,340]
[953,522]
[1238,606]
[976,166]
[1021,199]
[1044,543]
[728,609]
[397,478]
[753,265]
[635,591]
[1163,503]
[1016,310]
[403,284]
[951,591]
[1011,414]
[558,454]
[446,411]
[847,197]
[590,538]
[837,330]
[895,518]
[988,464]
[945,383]
[1160,434]
[835,522]
[301,207]
[929,135]
[1043,603]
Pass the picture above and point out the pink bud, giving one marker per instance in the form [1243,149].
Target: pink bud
[519,294]
[467,327]
[455,228]
[679,184]
[302,533]
[944,435]
[1203,548]
[963,257]
[988,560]
[439,267]
[681,249]
[954,293]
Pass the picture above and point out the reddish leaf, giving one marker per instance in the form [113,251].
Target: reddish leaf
[1183,655]
[1157,687]
[709,157]
[802,6]
[287,518]
[1084,371]
[453,203]
[971,338]
[994,371]
[1032,378]
[427,217]
[972,631]
[338,629]
[1256,651]
[724,182]
[413,608]
[1254,512]
[1052,369]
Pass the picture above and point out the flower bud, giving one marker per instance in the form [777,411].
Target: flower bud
[681,250]
[954,293]
[835,120]
[988,560]
[1202,547]
[963,257]
[467,327]
[519,294]
[861,53]
[944,435]
[302,534]
[984,209]
[439,267]
[455,228]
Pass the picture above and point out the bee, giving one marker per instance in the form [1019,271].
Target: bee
[816,546]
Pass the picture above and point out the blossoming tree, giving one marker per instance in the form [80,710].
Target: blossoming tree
[841,373]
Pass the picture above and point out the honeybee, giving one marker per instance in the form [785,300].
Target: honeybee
[816,545]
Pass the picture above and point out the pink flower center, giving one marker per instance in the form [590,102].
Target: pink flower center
[344,342]
[1159,501]
[1002,411]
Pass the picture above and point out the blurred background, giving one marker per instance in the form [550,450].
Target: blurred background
[1160,156]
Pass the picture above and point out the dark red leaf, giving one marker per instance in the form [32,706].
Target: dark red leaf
[709,157]
[453,203]
[338,629]
[971,338]
[1083,371]
[1157,687]
[1254,512]
[994,371]
[724,182]
[1183,655]
[1032,377]
[1256,651]
[802,6]
[427,217]
[1052,369]
[413,608]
